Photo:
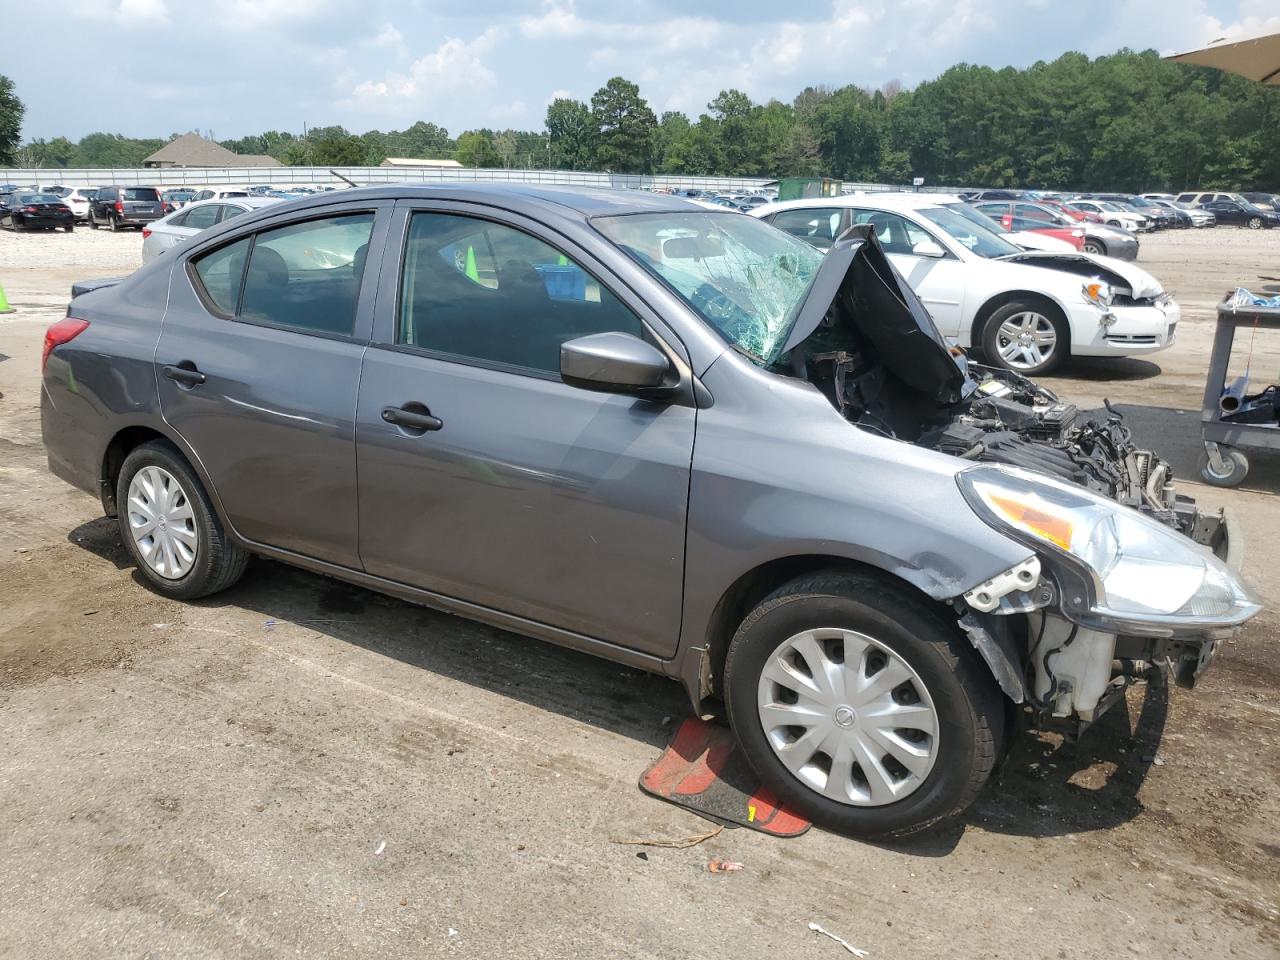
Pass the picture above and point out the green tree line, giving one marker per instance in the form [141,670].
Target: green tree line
[1127,121]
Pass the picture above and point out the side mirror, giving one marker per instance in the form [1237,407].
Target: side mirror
[927,248]
[613,363]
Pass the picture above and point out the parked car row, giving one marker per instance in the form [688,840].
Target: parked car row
[1155,211]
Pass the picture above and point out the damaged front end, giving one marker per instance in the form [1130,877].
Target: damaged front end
[1068,629]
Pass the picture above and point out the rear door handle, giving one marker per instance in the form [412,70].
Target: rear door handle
[185,373]
[412,416]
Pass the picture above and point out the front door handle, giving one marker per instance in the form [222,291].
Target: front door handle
[185,373]
[412,416]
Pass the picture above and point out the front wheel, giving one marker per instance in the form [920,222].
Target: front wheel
[861,706]
[1095,247]
[170,527]
[1026,336]
[1255,223]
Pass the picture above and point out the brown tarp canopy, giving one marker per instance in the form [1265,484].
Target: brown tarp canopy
[1257,58]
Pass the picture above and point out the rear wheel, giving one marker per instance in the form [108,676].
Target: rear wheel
[170,527]
[113,224]
[861,706]
[93,221]
[1027,336]
[70,227]
[18,225]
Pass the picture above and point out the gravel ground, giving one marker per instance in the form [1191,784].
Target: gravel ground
[219,779]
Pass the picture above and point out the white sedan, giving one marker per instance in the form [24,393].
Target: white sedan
[178,227]
[1025,310]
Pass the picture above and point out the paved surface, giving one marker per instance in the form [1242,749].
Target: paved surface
[302,768]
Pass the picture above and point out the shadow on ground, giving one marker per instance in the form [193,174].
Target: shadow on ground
[1046,787]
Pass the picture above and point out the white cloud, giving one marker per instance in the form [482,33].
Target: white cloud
[514,110]
[142,11]
[261,12]
[456,65]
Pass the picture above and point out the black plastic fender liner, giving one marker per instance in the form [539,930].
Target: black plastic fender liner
[990,636]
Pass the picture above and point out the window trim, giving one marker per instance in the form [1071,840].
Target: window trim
[411,208]
[212,309]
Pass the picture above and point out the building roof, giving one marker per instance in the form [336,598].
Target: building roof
[193,150]
[418,162]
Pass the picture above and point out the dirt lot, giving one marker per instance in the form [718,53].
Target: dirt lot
[219,779]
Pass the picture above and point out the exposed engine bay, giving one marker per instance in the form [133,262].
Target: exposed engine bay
[879,359]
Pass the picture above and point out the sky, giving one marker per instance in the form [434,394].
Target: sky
[150,68]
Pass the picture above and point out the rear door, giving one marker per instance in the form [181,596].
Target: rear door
[541,500]
[258,364]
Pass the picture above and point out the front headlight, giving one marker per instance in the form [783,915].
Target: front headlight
[1122,569]
[1098,292]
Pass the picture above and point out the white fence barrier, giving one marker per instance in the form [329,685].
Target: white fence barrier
[326,176]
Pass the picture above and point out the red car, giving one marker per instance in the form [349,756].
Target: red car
[1013,215]
[1071,212]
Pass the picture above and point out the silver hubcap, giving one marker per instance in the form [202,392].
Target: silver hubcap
[848,717]
[1026,340]
[162,522]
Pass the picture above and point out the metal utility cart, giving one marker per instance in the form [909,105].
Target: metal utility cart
[1223,463]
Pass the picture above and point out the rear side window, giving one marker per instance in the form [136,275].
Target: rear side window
[818,226]
[141,193]
[220,273]
[201,218]
[490,293]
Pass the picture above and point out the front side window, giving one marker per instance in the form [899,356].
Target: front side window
[303,276]
[973,236]
[745,278]
[896,234]
[488,292]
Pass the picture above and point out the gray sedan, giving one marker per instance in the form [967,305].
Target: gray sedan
[179,227]
[674,437]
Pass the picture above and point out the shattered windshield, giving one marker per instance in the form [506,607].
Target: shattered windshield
[744,277]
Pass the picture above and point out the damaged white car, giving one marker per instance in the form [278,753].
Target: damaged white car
[1024,310]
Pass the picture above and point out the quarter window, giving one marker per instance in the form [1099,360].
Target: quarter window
[220,273]
[487,292]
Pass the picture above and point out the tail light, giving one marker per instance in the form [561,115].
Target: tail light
[119,207]
[64,331]
[146,232]
[30,210]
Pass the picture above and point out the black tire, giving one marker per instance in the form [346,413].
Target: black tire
[968,703]
[70,228]
[18,225]
[1050,312]
[113,224]
[1096,247]
[219,562]
[93,221]
[1255,223]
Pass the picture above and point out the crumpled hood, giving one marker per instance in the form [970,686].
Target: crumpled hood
[1116,272]
[857,277]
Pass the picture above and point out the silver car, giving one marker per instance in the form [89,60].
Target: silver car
[180,226]
[675,437]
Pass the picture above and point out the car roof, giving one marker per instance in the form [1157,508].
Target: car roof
[582,201]
[886,201]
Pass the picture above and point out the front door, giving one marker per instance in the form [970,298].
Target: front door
[937,281]
[506,487]
[258,364]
